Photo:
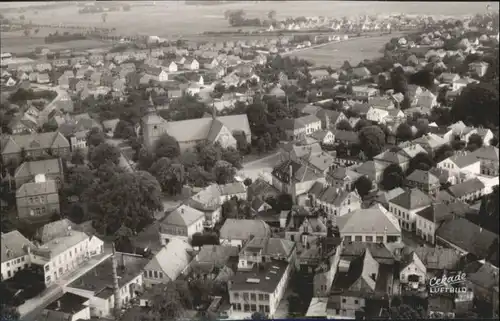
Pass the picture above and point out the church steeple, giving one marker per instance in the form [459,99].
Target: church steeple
[151,107]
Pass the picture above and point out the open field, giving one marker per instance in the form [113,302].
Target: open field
[168,18]
[171,19]
[17,42]
[354,51]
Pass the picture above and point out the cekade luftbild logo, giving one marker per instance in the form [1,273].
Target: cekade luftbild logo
[448,284]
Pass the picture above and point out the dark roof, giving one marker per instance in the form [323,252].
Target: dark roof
[68,303]
[100,278]
[437,258]
[268,275]
[412,199]
[486,276]
[261,188]
[379,251]
[467,236]
[435,213]
[346,135]
[465,188]
[148,238]
[300,173]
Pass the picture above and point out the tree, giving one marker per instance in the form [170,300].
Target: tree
[404,311]
[363,186]
[170,176]
[199,177]
[422,161]
[124,130]
[208,155]
[494,141]
[404,132]
[232,156]
[167,146]
[171,301]
[224,172]
[362,123]
[443,153]
[372,140]
[200,239]
[49,127]
[475,142]
[95,137]
[247,181]
[241,142]
[78,157]
[489,212]
[128,199]
[457,144]
[271,15]
[392,177]
[344,125]
[104,16]
[104,154]
[423,78]
[478,104]
[398,81]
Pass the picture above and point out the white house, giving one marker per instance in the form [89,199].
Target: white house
[64,254]
[168,263]
[171,66]
[97,285]
[412,271]
[260,282]
[372,225]
[325,137]
[15,253]
[181,223]
[377,115]
[406,205]
[462,162]
[429,219]
[334,200]
[191,64]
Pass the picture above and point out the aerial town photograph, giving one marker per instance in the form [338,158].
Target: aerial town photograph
[249,160]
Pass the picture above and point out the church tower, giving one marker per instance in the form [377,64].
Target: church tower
[153,126]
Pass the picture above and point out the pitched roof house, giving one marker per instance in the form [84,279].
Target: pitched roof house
[168,263]
[237,232]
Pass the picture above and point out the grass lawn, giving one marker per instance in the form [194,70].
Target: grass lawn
[17,42]
[354,51]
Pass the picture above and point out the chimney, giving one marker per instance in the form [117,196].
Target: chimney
[118,300]
[58,304]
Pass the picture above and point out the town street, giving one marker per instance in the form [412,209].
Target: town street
[260,168]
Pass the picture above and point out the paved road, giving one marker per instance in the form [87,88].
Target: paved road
[32,308]
[259,167]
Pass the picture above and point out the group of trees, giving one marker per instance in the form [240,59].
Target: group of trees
[236,18]
[477,105]
[24,285]
[113,197]
[199,166]
[66,36]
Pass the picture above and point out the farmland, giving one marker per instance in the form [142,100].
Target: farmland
[170,18]
[354,51]
[173,19]
[17,42]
